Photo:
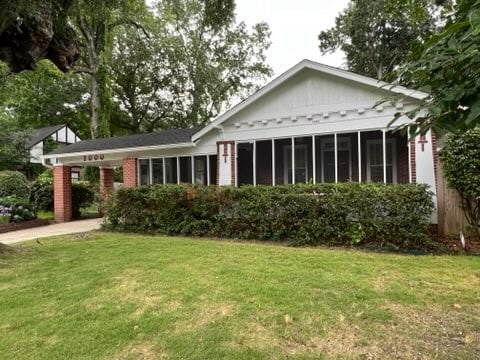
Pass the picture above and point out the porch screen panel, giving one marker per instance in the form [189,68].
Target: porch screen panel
[401,155]
[283,161]
[245,163]
[186,169]
[303,160]
[213,169]
[144,169]
[325,158]
[200,168]
[372,153]
[347,157]
[171,170]
[264,162]
[157,171]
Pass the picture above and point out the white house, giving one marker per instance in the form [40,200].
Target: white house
[312,123]
[57,135]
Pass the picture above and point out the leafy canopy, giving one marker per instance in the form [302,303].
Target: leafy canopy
[448,70]
[460,159]
[376,36]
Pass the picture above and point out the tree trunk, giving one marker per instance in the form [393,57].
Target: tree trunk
[94,105]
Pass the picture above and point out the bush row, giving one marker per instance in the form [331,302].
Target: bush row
[329,214]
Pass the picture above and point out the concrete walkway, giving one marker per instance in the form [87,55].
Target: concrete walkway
[71,227]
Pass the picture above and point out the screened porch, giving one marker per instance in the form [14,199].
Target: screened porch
[369,156]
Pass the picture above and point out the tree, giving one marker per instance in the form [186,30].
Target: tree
[376,36]
[34,30]
[189,67]
[44,97]
[460,159]
[448,69]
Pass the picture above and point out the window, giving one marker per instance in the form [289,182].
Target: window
[375,161]
[171,170]
[200,163]
[144,170]
[301,163]
[157,171]
[344,159]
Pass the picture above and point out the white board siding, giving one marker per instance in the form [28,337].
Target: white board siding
[425,172]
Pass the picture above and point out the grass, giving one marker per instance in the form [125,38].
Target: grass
[114,296]
[48,215]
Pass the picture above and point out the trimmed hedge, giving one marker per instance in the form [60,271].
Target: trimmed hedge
[329,214]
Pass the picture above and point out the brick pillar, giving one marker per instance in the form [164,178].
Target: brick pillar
[62,193]
[129,166]
[106,186]
[226,163]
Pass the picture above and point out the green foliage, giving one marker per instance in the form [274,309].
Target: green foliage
[41,196]
[186,70]
[13,183]
[376,36]
[18,208]
[327,214]
[44,97]
[447,70]
[460,159]
[83,196]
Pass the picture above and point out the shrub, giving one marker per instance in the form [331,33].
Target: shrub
[330,214]
[13,183]
[16,209]
[83,196]
[41,196]
[460,159]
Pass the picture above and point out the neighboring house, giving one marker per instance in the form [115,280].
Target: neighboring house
[47,139]
[314,123]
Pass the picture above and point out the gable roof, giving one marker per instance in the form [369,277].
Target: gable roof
[43,133]
[312,65]
[168,137]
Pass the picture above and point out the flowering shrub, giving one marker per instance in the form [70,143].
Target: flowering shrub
[15,210]
[329,214]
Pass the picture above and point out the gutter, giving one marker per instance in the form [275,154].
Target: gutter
[120,150]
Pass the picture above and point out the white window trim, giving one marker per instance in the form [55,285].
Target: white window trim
[323,150]
[392,144]
[286,150]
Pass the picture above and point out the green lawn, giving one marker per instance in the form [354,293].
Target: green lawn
[114,296]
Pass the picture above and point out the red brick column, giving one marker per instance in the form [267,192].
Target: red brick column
[106,186]
[62,193]
[413,161]
[129,166]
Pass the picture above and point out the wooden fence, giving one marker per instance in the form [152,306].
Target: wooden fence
[451,220]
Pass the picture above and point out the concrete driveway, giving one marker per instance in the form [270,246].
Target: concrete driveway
[71,227]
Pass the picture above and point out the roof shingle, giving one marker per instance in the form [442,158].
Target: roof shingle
[168,137]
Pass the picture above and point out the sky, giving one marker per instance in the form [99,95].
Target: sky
[295,25]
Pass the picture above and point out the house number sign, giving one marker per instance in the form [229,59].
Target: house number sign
[93,157]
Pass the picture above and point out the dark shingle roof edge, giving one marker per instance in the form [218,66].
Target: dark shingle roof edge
[42,133]
[167,137]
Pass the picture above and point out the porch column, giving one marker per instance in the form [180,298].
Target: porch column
[359,148]
[335,148]
[106,186]
[273,162]
[226,162]
[130,170]
[384,149]
[62,193]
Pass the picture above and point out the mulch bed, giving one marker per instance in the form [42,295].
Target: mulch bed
[4,228]
[452,244]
